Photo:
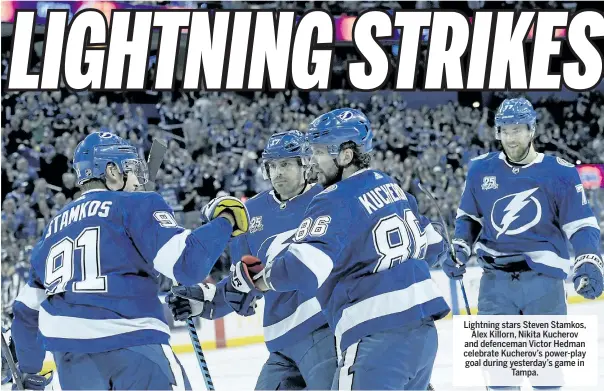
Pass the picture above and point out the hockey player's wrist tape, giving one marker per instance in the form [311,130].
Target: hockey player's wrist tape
[590,258]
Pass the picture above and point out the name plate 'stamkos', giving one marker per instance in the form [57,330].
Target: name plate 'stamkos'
[252,50]
[506,350]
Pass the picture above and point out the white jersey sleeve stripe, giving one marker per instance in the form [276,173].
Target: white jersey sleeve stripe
[52,326]
[314,259]
[31,297]
[461,213]
[303,312]
[169,253]
[571,228]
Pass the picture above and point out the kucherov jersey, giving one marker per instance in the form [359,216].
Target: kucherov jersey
[530,210]
[93,283]
[288,316]
[365,252]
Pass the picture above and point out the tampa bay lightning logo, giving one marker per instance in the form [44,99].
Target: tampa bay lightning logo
[516,213]
[275,245]
[346,115]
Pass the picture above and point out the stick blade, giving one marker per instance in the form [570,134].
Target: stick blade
[154,161]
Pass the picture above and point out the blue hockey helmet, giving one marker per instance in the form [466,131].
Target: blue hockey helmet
[285,145]
[515,111]
[340,126]
[98,149]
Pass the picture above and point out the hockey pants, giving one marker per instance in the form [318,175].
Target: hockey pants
[397,359]
[146,367]
[520,293]
[309,364]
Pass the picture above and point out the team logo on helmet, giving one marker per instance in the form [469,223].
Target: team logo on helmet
[346,115]
[105,135]
[274,141]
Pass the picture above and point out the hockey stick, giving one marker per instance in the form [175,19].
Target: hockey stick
[155,159]
[11,365]
[448,237]
[201,359]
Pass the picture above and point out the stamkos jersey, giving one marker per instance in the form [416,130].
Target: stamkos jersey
[529,210]
[93,283]
[288,316]
[365,251]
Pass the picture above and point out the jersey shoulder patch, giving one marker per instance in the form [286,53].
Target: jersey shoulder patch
[329,189]
[564,163]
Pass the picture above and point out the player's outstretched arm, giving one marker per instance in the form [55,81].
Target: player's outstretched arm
[582,230]
[208,301]
[468,225]
[183,255]
[213,301]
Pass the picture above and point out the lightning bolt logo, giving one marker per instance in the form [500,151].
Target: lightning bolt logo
[518,202]
[276,244]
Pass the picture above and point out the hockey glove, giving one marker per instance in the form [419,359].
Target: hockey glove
[455,268]
[587,276]
[190,301]
[231,205]
[240,291]
[33,381]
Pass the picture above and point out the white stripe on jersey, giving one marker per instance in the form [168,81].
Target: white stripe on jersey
[69,327]
[31,297]
[386,304]
[551,259]
[572,227]
[176,369]
[345,379]
[305,311]
[169,253]
[314,259]
[433,236]
[461,213]
[544,257]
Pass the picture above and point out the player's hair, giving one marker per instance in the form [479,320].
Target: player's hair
[91,185]
[359,159]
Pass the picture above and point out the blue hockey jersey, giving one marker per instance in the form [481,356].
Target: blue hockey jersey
[288,316]
[365,251]
[93,283]
[530,210]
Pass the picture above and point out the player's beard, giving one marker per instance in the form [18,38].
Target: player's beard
[519,156]
[327,180]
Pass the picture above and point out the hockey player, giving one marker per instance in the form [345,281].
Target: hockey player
[518,209]
[365,251]
[92,291]
[302,347]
